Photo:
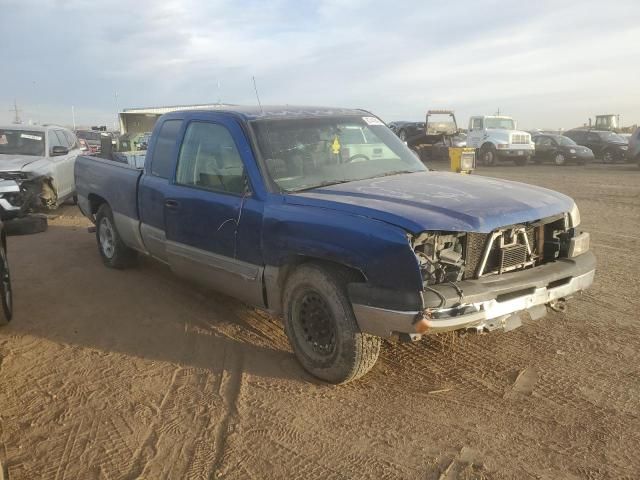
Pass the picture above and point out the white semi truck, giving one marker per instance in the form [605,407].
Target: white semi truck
[496,138]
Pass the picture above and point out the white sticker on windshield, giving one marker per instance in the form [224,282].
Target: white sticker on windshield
[30,137]
[372,121]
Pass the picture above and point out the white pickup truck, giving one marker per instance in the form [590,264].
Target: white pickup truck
[496,138]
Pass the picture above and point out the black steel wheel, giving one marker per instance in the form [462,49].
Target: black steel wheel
[322,328]
[315,324]
[6,313]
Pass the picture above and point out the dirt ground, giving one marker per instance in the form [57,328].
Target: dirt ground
[136,374]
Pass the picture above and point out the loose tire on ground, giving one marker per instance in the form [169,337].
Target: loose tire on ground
[322,328]
[6,295]
[26,225]
[114,253]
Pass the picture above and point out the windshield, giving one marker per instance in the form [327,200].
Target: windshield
[562,140]
[612,137]
[503,123]
[302,154]
[21,142]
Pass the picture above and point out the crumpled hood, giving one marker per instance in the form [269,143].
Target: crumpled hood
[439,201]
[16,163]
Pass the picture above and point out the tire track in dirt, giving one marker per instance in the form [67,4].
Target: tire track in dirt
[229,390]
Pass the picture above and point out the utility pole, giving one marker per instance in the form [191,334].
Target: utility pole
[16,112]
[73,116]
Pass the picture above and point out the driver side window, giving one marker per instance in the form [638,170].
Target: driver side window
[210,160]
[476,124]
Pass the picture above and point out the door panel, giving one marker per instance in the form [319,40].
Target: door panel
[204,210]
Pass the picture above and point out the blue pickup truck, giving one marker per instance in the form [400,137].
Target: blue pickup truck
[325,217]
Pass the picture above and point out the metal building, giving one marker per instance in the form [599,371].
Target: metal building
[140,120]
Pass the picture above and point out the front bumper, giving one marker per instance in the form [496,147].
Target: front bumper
[515,152]
[486,304]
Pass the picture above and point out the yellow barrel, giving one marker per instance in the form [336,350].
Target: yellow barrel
[462,159]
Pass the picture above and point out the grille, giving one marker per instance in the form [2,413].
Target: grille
[473,254]
[519,138]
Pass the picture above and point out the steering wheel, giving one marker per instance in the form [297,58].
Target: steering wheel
[358,158]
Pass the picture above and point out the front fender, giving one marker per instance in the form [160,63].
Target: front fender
[379,250]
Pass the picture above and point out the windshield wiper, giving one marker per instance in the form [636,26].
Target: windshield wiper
[389,174]
[326,183]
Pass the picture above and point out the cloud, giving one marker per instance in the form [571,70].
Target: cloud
[550,64]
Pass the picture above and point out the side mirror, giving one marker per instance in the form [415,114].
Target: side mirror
[59,150]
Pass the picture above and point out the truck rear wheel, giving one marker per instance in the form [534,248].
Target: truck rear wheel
[114,253]
[322,328]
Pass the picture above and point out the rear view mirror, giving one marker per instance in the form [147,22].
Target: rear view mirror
[59,150]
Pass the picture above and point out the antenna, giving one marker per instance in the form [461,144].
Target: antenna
[16,112]
[219,94]
[255,87]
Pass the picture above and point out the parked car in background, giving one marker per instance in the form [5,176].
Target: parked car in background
[36,168]
[90,138]
[142,143]
[607,146]
[6,297]
[633,153]
[560,150]
[325,217]
[406,130]
[496,138]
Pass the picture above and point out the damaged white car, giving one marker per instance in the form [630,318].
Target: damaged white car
[36,168]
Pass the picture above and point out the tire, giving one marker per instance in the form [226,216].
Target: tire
[321,326]
[6,294]
[488,155]
[608,157]
[26,225]
[402,135]
[114,253]
[521,161]
[559,159]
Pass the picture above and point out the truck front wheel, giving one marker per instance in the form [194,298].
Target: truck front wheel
[321,326]
[488,155]
[114,253]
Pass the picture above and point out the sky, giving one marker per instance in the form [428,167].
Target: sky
[549,64]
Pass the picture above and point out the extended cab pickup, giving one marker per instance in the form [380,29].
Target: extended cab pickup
[283,209]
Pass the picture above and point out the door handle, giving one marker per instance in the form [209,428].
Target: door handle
[171,203]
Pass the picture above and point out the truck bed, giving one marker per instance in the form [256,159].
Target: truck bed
[116,182]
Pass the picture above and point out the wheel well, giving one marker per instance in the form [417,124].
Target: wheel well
[486,145]
[94,202]
[275,291]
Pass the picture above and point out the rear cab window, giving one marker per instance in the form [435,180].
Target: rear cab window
[162,159]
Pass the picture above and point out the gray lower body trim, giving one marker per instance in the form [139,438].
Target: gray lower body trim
[233,277]
[129,230]
[154,241]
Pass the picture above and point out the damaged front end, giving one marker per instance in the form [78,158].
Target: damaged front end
[22,193]
[482,282]
[485,281]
